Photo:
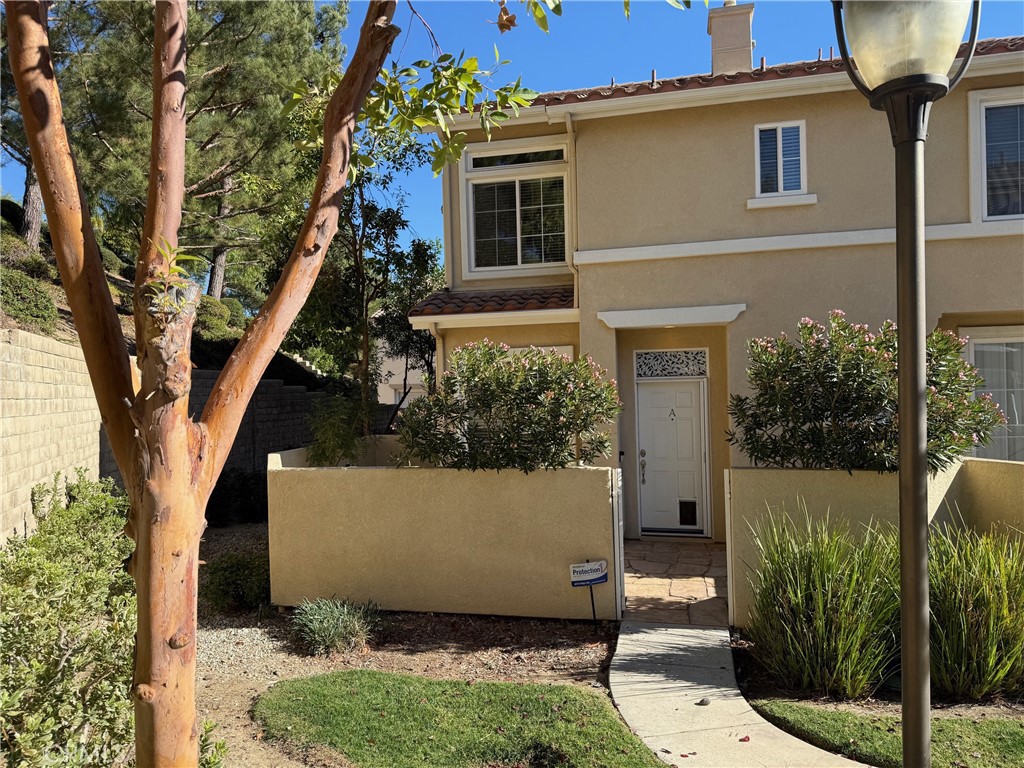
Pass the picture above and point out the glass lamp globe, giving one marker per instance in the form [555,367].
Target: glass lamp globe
[891,39]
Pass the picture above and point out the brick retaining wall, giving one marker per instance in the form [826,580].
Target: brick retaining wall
[49,422]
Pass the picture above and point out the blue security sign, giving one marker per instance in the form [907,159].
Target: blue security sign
[588,574]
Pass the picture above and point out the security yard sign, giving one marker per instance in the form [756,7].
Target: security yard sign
[588,574]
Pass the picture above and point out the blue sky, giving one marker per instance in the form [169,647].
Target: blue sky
[592,43]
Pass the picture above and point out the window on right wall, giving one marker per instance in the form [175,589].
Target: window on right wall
[1004,152]
[781,168]
[998,354]
[997,154]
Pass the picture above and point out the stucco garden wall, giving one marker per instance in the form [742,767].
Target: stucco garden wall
[984,492]
[441,540]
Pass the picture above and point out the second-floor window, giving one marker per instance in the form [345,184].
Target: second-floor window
[780,159]
[517,208]
[1004,158]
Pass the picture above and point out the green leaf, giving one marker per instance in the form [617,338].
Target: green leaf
[625,7]
[540,16]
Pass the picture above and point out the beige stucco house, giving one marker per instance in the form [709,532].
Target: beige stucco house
[659,226]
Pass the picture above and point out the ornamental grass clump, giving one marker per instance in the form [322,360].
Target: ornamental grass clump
[828,399]
[323,627]
[826,605]
[977,602]
[498,409]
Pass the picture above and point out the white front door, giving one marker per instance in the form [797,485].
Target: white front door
[672,457]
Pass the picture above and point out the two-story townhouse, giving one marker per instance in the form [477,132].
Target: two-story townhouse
[659,226]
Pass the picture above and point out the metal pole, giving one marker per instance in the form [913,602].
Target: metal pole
[913,434]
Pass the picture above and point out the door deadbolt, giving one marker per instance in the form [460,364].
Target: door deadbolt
[643,453]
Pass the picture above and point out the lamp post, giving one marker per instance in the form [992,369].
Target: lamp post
[903,51]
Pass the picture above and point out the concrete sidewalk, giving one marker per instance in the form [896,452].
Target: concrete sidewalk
[659,674]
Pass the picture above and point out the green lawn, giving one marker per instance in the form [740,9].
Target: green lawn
[377,719]
[875,739]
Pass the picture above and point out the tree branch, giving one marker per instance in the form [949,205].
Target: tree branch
[74,243]
[234,387]
[167,147]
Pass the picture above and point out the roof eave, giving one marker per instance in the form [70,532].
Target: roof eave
[831,82]
[489,319]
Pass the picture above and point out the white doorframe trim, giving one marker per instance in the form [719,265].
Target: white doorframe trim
[705,426]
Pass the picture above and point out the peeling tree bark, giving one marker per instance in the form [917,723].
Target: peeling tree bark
[170,463]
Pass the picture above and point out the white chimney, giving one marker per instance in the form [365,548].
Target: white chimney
[731,38]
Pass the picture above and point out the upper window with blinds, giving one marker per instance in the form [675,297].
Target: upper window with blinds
[516,215]
[1004,154]
[780,159]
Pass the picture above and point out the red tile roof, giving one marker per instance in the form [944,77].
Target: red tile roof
[514,300]
[777,72]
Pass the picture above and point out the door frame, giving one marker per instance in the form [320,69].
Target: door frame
[705,446]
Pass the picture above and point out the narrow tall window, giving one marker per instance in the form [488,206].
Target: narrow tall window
[1004,152]
[780,169]
[998,353]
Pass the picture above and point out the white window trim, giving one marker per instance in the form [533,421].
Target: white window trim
[468,175]
[977,102]
[758,194]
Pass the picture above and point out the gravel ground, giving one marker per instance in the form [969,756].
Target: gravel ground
[241,655]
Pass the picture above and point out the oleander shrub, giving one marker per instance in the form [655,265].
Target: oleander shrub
[826,605]
[27,301]
[67,632]
[322,627]
[827,400]
[496,409]
[239,581]
[977,603]
[236,312]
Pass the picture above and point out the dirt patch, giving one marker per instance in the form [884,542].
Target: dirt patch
[242,655]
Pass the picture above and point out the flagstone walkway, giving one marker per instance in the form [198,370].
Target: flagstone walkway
[676,581]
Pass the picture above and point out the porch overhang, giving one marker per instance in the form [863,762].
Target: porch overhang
[671,317]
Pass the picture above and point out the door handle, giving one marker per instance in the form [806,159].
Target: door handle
[643,472]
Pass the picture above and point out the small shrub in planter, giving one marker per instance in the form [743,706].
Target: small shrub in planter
[239,581]
[828,400]
[335,424]
[977,603]
[498,410]
[323,627]
[826,606]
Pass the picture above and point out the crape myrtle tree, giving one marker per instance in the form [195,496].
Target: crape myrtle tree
[168,461]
